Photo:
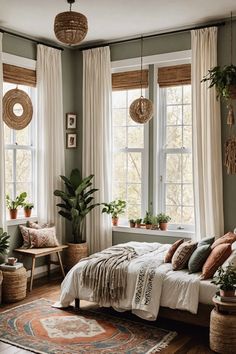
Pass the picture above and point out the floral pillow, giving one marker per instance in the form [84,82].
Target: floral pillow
[35,225]
[25,234]
[39,238]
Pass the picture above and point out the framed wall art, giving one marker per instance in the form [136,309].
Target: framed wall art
[71,121]
[71,140]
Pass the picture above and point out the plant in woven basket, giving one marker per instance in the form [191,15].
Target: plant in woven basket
[13,205]
[225,279]
[4,242]
[76,201]
[115,208]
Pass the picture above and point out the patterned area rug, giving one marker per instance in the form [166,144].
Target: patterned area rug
[40,328]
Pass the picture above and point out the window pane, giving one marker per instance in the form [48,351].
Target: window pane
[119,135]
[24,187]
[118,190]
[134,167]
[135,137]
[23,166]
[174,95]
[174,115]
[175,214]
[119,99]
[134,211]
[187,93]
[9,165]
[9,190]
[7,134]
[187,137]
[187,168]
[133,95]
[174,137]
[119,116]
[119,166]
[133,193]
[173,168]
[188,194]
[187,115]
[188,215]
[173,194]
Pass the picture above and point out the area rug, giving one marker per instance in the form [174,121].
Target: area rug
[40,328]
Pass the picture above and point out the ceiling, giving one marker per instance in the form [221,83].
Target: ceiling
[112,20]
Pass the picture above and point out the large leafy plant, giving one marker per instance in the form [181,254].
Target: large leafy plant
[222,79]
[225,278]
[19,201]
[76,201]
[4,241]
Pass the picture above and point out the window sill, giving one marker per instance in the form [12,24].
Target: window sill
[167,233]
[21,220]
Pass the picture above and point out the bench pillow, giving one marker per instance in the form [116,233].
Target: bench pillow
[217,257]
[35,225]
[25,234]
[43,237]
[230,237]
[171,250]
[182,254]
[198,258]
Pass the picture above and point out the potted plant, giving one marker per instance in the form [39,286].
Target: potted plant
[13,205]
[226,280]
[148,220]
[4,244]
[138,223]
[75,205]
[155,225]
[115,208]
[131,222]
[224,80]
[28,209]
[163,220]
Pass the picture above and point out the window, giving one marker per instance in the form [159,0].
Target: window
[176,180]
[130,163]
[20,154]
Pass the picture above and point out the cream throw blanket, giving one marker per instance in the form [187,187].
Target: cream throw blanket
[106,273]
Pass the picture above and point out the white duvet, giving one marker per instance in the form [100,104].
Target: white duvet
[151,284]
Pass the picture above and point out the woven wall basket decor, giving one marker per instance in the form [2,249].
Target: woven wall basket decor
[141,110]
[12,100]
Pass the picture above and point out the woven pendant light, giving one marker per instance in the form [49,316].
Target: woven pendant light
[141,109]
[70,27]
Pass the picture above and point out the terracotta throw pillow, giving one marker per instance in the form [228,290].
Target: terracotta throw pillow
[230,237]
[43,238]
[182,254]
[171,251]
[218,256]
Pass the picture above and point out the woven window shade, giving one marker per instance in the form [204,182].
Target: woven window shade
[17,75]
[174,75]
[129,80]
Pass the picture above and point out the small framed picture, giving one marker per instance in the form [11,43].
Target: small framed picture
[71,140]
[71,121]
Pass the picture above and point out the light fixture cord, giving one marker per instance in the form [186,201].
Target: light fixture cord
[141,82]
[70,6]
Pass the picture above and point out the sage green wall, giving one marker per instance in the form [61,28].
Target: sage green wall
[27,49]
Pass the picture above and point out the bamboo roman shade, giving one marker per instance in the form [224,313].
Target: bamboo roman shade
[129,80]
[174,75]
[17,75]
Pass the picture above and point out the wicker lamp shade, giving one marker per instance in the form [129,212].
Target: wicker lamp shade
[141,110]
[10,100]
[70,27]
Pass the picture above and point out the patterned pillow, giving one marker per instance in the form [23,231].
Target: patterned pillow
[25,234]
[198,258]
[182,254]
[43,237]
[217,257]
[230,237]
[35,225]
[171,251]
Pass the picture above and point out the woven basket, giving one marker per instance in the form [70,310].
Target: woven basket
[74,253]
[223,332]
[141,110]
[70,27]
[14,285]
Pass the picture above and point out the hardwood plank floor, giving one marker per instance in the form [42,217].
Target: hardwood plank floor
[190,339]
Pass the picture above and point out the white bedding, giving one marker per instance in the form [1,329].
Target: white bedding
[151,284]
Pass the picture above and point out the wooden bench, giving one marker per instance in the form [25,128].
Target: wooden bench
[40,252]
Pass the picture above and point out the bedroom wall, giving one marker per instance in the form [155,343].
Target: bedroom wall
[27,49]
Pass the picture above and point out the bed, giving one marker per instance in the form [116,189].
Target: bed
[152,285]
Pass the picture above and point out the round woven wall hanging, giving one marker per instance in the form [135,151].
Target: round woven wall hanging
[141,110]
[17,109]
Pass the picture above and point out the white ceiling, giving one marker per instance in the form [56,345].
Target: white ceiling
[110,19]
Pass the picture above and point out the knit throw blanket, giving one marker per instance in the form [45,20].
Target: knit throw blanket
[106,273]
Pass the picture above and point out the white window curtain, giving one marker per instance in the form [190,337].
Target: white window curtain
[207,166]
[51,152]
[2,151]
[97,141]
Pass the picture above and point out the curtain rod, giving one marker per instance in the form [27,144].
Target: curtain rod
[30,39]
[217,24]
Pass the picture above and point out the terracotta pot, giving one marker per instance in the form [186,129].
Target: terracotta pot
[74,253]
[148,226]
[132,224]
[227,293]
[163,226]
[138,226]
[27,212]
[13,213]
[115,221]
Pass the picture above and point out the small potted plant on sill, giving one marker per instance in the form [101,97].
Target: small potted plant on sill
[131,222]
[4,244]
[155,225]
[13,205]
[28,209]
[138,223]
[148,220]
[115,208]
[163,220]
[226,280]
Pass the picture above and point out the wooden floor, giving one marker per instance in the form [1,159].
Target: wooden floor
[190,339]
